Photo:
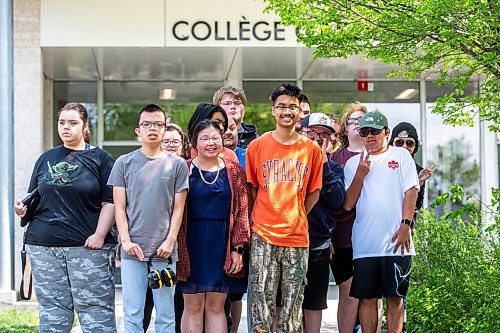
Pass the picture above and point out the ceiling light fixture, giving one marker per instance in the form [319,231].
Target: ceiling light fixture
[167,94]
[407,94]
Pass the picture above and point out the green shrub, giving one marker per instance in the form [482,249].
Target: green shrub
[455,277]
[15,321]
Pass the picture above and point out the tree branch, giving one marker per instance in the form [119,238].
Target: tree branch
[364,18]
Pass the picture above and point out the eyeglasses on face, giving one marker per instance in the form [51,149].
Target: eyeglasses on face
[313,134]
[291,107]
[410,143]
[156,124]
[364,132]
[351,121]
[229,103]
[174,142]
[206,139]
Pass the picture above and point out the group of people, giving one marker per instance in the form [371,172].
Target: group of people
[223,212]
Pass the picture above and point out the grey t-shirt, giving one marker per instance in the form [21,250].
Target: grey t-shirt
[150,185]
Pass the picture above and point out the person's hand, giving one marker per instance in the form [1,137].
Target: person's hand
[332,251]
[364,164]
[20,208]
[95,242]
[402,239]
[424,174]
[236,263]
[166,248]
[132,249]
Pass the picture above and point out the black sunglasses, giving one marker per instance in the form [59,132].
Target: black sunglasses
[351,121]
[400,143]
[363,132]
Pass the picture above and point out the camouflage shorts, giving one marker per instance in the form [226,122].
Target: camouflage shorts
[272,265]
[74,278]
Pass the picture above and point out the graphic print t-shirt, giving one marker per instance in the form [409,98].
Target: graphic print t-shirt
[283,174]
[72,185]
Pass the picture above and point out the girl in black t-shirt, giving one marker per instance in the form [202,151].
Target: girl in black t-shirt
[68,240]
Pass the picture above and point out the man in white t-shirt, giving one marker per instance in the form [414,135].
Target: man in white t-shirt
[382,184]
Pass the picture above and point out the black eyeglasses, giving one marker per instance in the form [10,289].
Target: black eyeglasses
[351,121]
[363,132]
[283,107]
[174,142]
[156,124]
[313,135]
[400,143]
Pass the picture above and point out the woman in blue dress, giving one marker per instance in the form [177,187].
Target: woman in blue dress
[216,230]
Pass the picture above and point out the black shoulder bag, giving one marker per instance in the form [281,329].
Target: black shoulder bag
[31,200]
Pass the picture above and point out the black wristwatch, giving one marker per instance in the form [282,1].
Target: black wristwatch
[407,222]
[237,249]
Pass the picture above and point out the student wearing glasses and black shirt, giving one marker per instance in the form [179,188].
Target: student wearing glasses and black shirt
[318,127]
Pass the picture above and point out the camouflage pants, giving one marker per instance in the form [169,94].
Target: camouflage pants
[271,265]
[74,278]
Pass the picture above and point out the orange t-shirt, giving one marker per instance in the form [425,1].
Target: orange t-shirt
[283,175]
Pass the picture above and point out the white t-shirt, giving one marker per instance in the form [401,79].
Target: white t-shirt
[379,209]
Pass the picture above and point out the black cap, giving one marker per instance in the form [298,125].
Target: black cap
[410,129]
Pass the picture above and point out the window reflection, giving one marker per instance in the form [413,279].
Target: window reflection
[455,151]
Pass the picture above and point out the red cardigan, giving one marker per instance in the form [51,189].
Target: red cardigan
[239,221]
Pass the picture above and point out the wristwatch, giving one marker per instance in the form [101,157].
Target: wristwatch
[237,249]
[407,222]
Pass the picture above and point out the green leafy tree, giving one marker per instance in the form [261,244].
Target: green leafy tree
[456,38]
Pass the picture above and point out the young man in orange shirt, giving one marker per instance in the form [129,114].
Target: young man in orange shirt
[284,170]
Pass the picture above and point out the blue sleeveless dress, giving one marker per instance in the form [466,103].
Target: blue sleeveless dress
[208,209]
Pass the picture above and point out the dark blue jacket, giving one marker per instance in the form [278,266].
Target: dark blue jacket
[246,134]
[331,196]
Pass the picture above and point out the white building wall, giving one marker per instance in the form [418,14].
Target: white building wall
[28,111]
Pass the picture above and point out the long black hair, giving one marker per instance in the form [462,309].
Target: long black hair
[204,111]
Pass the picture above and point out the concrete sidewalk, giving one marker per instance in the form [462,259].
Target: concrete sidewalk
[329,324]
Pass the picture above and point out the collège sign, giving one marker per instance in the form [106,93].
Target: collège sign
[224,23]
[161,23]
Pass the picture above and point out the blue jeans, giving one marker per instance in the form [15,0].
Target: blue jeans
[134,285]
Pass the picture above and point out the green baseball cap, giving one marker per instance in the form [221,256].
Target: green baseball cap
[373,119]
